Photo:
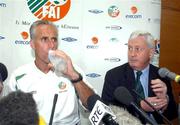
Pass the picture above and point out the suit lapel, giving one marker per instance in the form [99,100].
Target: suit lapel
[130,78]
[152,75]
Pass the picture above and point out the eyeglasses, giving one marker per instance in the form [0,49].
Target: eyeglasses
[135,49]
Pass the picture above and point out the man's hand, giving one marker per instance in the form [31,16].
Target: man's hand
[156,102]
[69,71]
[159,88]
[160,101]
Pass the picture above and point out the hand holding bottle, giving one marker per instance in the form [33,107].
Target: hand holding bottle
[58,63]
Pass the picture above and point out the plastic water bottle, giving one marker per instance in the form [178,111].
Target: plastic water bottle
[58,63]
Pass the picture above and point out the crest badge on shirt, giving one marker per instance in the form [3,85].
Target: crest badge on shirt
[62,86]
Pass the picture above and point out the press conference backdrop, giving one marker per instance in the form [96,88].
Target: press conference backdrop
[93,32]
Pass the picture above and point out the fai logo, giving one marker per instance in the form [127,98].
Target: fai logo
[113,11]
[52,10]
[62,87]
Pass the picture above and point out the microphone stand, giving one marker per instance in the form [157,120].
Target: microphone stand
[53,109]
[144,114]
[165,119]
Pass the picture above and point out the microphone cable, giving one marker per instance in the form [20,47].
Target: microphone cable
[165,119]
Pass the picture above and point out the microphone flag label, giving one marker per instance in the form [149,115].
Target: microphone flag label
[98,112]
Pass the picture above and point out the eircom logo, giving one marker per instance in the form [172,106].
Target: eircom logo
[52,10]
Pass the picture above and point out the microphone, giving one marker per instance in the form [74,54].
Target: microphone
[165,73]
[124,96]
[100,111]
[3,72]
[164,118]
[123,117]
[53,109]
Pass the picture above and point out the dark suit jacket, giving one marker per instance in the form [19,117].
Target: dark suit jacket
[124,76]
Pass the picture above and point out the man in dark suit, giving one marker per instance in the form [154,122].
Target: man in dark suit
[154,89]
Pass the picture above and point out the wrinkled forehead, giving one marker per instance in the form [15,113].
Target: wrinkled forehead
[46,29]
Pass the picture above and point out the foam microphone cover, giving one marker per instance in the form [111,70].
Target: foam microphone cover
[123,96]
[164,72]
[91,101]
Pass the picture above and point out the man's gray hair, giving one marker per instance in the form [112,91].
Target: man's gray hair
[37,23]
[148,37]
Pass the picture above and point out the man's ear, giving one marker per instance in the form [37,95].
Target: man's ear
[152,51]
[32,44]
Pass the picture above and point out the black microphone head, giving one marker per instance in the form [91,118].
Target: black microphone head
[3,72]
[91,101]
[165,73]
[123,96]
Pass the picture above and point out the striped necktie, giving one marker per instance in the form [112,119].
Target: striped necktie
[138,86]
